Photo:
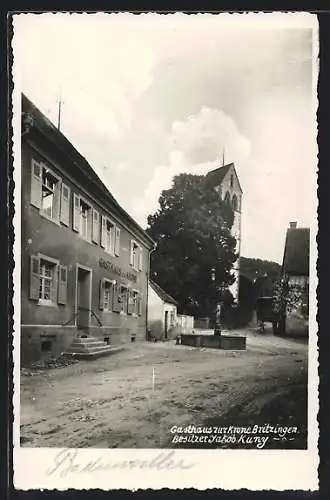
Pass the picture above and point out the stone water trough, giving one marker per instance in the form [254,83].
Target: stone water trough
[223,341]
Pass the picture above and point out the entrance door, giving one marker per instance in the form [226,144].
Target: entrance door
[166,323]
[83,298]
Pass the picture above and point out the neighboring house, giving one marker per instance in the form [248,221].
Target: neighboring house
[226,182]
[162,313]
[84,260]
[295,268]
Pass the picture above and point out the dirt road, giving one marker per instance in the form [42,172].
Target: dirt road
[115,402]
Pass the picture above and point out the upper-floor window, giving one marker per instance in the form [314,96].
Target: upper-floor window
[136,256]
[227,197]
[82,217]
[110,236]
[45,191]
[50,185]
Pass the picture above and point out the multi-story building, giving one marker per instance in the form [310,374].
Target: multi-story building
[84,260]
[226,182]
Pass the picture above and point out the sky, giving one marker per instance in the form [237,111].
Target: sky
[146,97]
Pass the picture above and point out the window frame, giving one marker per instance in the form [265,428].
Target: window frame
[137,262]
[57,193]
[110,304]
[55,263]
[111,250]
[136,294]
[122,286]
[89,219]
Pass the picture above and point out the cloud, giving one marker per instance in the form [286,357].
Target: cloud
[193,147]
[204,136]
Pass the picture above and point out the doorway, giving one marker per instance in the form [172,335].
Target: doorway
[84,297]
[166,323]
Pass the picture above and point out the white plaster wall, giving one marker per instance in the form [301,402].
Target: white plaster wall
[236,228]
[171,308]
[155,306]
[156,315]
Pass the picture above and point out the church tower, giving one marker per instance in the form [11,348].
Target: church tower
[225,180]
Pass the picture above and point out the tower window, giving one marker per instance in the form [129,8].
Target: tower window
[234,202]
[231,180]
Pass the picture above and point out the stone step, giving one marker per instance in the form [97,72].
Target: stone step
[87,349]
[78,345]
[87,340]
[93,354]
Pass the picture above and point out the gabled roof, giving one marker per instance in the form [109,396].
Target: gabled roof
[296,252]
[215,177]
[162,294]
[48,130]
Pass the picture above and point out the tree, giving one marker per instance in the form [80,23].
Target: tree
[253,268]
[192,232]
[289,297]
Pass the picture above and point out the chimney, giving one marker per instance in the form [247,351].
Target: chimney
[293,225]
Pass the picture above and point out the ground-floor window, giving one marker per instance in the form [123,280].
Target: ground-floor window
[135,302]
[47,280]
[108,296]
[123,298]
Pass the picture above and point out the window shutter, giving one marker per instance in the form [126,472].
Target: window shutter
[36,184]
[130,302]
[117,241]
[96,226]
[34,277]
[103,230]
[102,288]
[140,258]
[131,252]
[90,225]
[62,285]
[54,288]
[65,205]
[76,213]
[57,198]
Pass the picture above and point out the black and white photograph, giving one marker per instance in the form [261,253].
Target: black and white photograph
[165,170]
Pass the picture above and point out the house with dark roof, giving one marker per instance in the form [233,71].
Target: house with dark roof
[162,313]
[226,182]
[295,268]
[84,259]
[296,254]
